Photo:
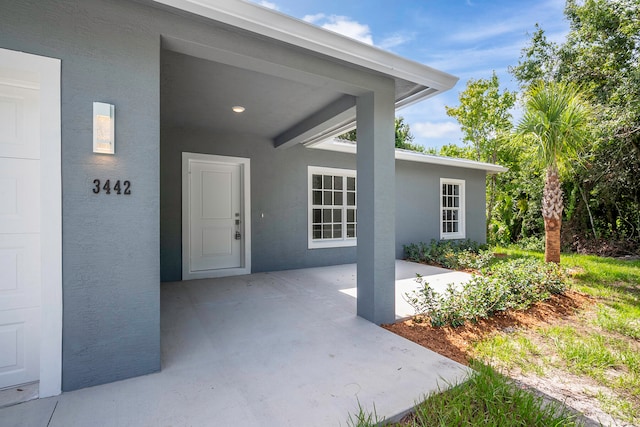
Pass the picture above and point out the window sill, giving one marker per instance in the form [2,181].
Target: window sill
[452,236]
[322,244]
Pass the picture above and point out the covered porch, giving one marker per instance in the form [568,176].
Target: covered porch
[279,348]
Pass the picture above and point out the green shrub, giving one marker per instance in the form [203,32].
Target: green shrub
[512,284]
[531,243]
[450,253]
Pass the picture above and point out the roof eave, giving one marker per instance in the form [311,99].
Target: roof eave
[281,27]
[412,156]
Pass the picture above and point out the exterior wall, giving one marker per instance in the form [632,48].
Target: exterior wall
[279,190]
[110,53]
[418,202]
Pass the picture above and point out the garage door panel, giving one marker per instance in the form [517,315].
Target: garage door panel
[20,196]
[19,364]
[19,119]
[20,270]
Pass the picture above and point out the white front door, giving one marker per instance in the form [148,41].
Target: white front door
[215,232]
[20,269]
[30,222]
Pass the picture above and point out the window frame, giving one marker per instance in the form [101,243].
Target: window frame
[344,241]
[461,233]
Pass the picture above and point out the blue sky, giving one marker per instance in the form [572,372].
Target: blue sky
[466,38]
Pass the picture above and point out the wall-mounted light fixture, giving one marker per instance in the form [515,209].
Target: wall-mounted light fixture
[104,125]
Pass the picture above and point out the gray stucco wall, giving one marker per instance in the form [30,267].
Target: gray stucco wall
[110,52]
[279,190]
[418,204]
[278,199]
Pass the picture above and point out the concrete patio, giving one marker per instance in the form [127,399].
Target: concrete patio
[268,349]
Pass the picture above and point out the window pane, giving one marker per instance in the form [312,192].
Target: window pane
[317,232]
[337,215]
[326,231]
[455,227]
[326,215]
[351,230]
[351,215]
[351,183]
[337,198]
[337,182]
[456,202]
[328,197]
[317,197]
[337,231]
[454,215]
[317,182]
[317,216]
[351,199]
[456,189]
[328,182]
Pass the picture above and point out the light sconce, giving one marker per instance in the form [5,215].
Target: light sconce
[104,125]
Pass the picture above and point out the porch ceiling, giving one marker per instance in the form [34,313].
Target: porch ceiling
[299,83]
[200,93]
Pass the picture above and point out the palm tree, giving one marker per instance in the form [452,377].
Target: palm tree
[556,122]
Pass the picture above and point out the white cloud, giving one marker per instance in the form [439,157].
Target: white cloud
[436,130]
[396,40]
[267,4]
[342,25]
[314,18]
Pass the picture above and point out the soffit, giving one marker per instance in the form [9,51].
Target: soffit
[200,93]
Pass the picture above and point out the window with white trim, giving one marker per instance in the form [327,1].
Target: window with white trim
[452,212]
[332,207]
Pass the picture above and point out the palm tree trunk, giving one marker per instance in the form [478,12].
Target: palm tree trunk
[552,213]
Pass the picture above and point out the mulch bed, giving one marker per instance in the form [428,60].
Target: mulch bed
[457,343]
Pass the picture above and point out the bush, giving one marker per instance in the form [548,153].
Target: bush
[450,253]
[512,284]
[532,243]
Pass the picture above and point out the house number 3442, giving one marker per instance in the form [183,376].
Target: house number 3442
[108,187]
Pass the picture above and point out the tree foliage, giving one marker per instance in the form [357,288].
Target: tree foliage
[556,122]
[484,114]
[601,54]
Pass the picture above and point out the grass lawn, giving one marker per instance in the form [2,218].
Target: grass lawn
[590,358]
[487,398]
[599,346]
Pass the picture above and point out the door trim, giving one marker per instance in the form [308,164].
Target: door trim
[50,218]
[245,197]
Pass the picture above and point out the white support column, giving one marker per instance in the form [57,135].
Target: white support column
[376,205]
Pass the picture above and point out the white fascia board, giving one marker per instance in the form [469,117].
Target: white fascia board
[412,156]
[281,27]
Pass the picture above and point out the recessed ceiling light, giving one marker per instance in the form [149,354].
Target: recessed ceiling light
[238,108]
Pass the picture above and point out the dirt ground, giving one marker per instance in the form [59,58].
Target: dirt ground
[457,344]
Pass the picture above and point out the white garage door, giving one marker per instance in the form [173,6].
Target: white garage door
[19,229]
[22,247]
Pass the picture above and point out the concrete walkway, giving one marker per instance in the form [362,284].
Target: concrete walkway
[269,349]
